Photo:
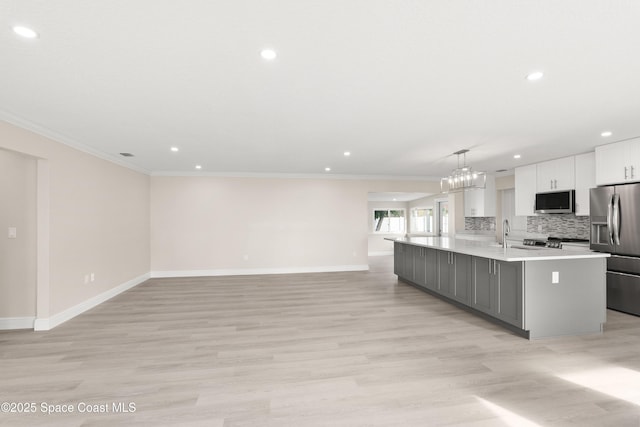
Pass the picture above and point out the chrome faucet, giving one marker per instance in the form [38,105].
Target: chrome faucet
[505,232]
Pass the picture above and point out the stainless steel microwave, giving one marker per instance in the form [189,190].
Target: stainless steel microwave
[556,202]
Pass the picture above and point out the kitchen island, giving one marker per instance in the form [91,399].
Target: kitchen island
[535,292]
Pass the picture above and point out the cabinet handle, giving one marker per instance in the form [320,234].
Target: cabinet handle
[625,172]
[490,264]
[555,184]
[551,184]
[632,172]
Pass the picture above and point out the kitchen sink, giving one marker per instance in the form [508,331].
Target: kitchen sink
[528,248]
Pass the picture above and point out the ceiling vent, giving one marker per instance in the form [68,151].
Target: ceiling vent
[126,154]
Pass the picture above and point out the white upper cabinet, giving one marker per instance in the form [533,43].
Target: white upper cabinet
[556,175]
[618,163]
[585,180]
[481,202]
[569,173]
[525,182]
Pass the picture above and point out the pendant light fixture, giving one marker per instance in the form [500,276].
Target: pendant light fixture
[463,178]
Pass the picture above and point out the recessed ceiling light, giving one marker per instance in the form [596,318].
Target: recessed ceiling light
[606,133]
[327,169]
[25,32]
[536,75]
[347,153]
[175,149]
[198,167]
[516,156]
[268,54]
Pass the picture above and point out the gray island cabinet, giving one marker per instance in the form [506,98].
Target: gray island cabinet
[497,289]
[536,293]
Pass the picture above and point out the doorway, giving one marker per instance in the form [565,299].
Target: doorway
[18,250]
[442,217]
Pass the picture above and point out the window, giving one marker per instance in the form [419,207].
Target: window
[422,220]
[388,221]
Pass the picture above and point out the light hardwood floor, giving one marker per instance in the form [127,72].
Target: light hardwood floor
[330,349]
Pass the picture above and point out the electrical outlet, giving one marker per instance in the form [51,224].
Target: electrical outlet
[86,279]
[555,277]
[93,277]
[13,232]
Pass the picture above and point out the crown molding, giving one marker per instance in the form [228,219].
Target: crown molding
[62,139]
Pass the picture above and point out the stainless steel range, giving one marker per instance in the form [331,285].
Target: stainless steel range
[556,242]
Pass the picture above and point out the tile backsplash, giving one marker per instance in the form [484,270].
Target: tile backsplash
[480,223]
[566,225]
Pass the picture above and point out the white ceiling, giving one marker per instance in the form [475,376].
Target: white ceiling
[399,84]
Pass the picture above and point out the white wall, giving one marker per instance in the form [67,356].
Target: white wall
[216,225]
[93,217]
[17,256]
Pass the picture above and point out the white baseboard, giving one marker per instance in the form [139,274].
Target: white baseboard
[45,324]
[254,271]
[7,323]
[380,253]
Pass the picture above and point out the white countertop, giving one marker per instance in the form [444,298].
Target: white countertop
[496,251]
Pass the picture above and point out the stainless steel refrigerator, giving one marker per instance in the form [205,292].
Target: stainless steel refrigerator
[615,228]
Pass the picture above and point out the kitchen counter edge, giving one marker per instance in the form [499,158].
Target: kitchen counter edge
[486,250]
